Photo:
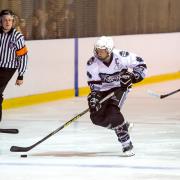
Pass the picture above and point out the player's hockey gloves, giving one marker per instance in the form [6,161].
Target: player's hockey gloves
[94,101]
[136,77]
[126,80]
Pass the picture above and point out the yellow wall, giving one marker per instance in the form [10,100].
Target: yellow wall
[83,91]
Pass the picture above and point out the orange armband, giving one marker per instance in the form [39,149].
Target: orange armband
[22,51]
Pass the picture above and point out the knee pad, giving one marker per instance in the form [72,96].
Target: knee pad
[114,116]
[110,118]
[99,120]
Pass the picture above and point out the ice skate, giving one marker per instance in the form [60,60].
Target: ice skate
[128,150]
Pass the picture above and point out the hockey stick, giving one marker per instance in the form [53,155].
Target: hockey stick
[162,95]
[11,131]
[25,149]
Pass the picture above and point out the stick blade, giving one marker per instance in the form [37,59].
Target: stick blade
[153,94]
[19,149]
[10,131]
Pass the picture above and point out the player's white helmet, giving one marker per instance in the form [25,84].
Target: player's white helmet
[104,42]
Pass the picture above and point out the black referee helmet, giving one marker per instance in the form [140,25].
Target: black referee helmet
[6,12]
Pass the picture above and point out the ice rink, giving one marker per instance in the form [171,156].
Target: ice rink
[83,151]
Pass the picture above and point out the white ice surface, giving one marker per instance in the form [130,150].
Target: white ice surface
[83,151]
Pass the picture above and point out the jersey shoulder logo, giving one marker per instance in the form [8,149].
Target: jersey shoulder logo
[124,53]
[90,61]
[139,59]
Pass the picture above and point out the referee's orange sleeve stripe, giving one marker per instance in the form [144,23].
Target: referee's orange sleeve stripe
[22,51]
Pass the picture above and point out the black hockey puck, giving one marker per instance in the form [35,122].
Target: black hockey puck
[23,155]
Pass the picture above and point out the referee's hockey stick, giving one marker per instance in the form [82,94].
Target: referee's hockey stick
[10,131]
[161,96]
[25,149]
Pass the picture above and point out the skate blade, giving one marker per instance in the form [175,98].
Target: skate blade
[127,154]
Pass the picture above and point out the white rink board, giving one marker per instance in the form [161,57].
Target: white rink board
[51,62]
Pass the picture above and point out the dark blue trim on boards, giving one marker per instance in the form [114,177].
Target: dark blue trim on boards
[76,67]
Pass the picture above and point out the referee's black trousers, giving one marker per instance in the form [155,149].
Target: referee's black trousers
[5,75]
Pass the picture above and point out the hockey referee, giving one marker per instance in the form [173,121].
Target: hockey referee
[13,52]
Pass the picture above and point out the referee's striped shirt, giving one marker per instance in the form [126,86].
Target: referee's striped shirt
[13,51]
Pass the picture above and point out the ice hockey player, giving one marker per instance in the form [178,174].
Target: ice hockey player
[112,70]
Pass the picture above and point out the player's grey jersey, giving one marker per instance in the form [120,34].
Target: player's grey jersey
[103,77]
